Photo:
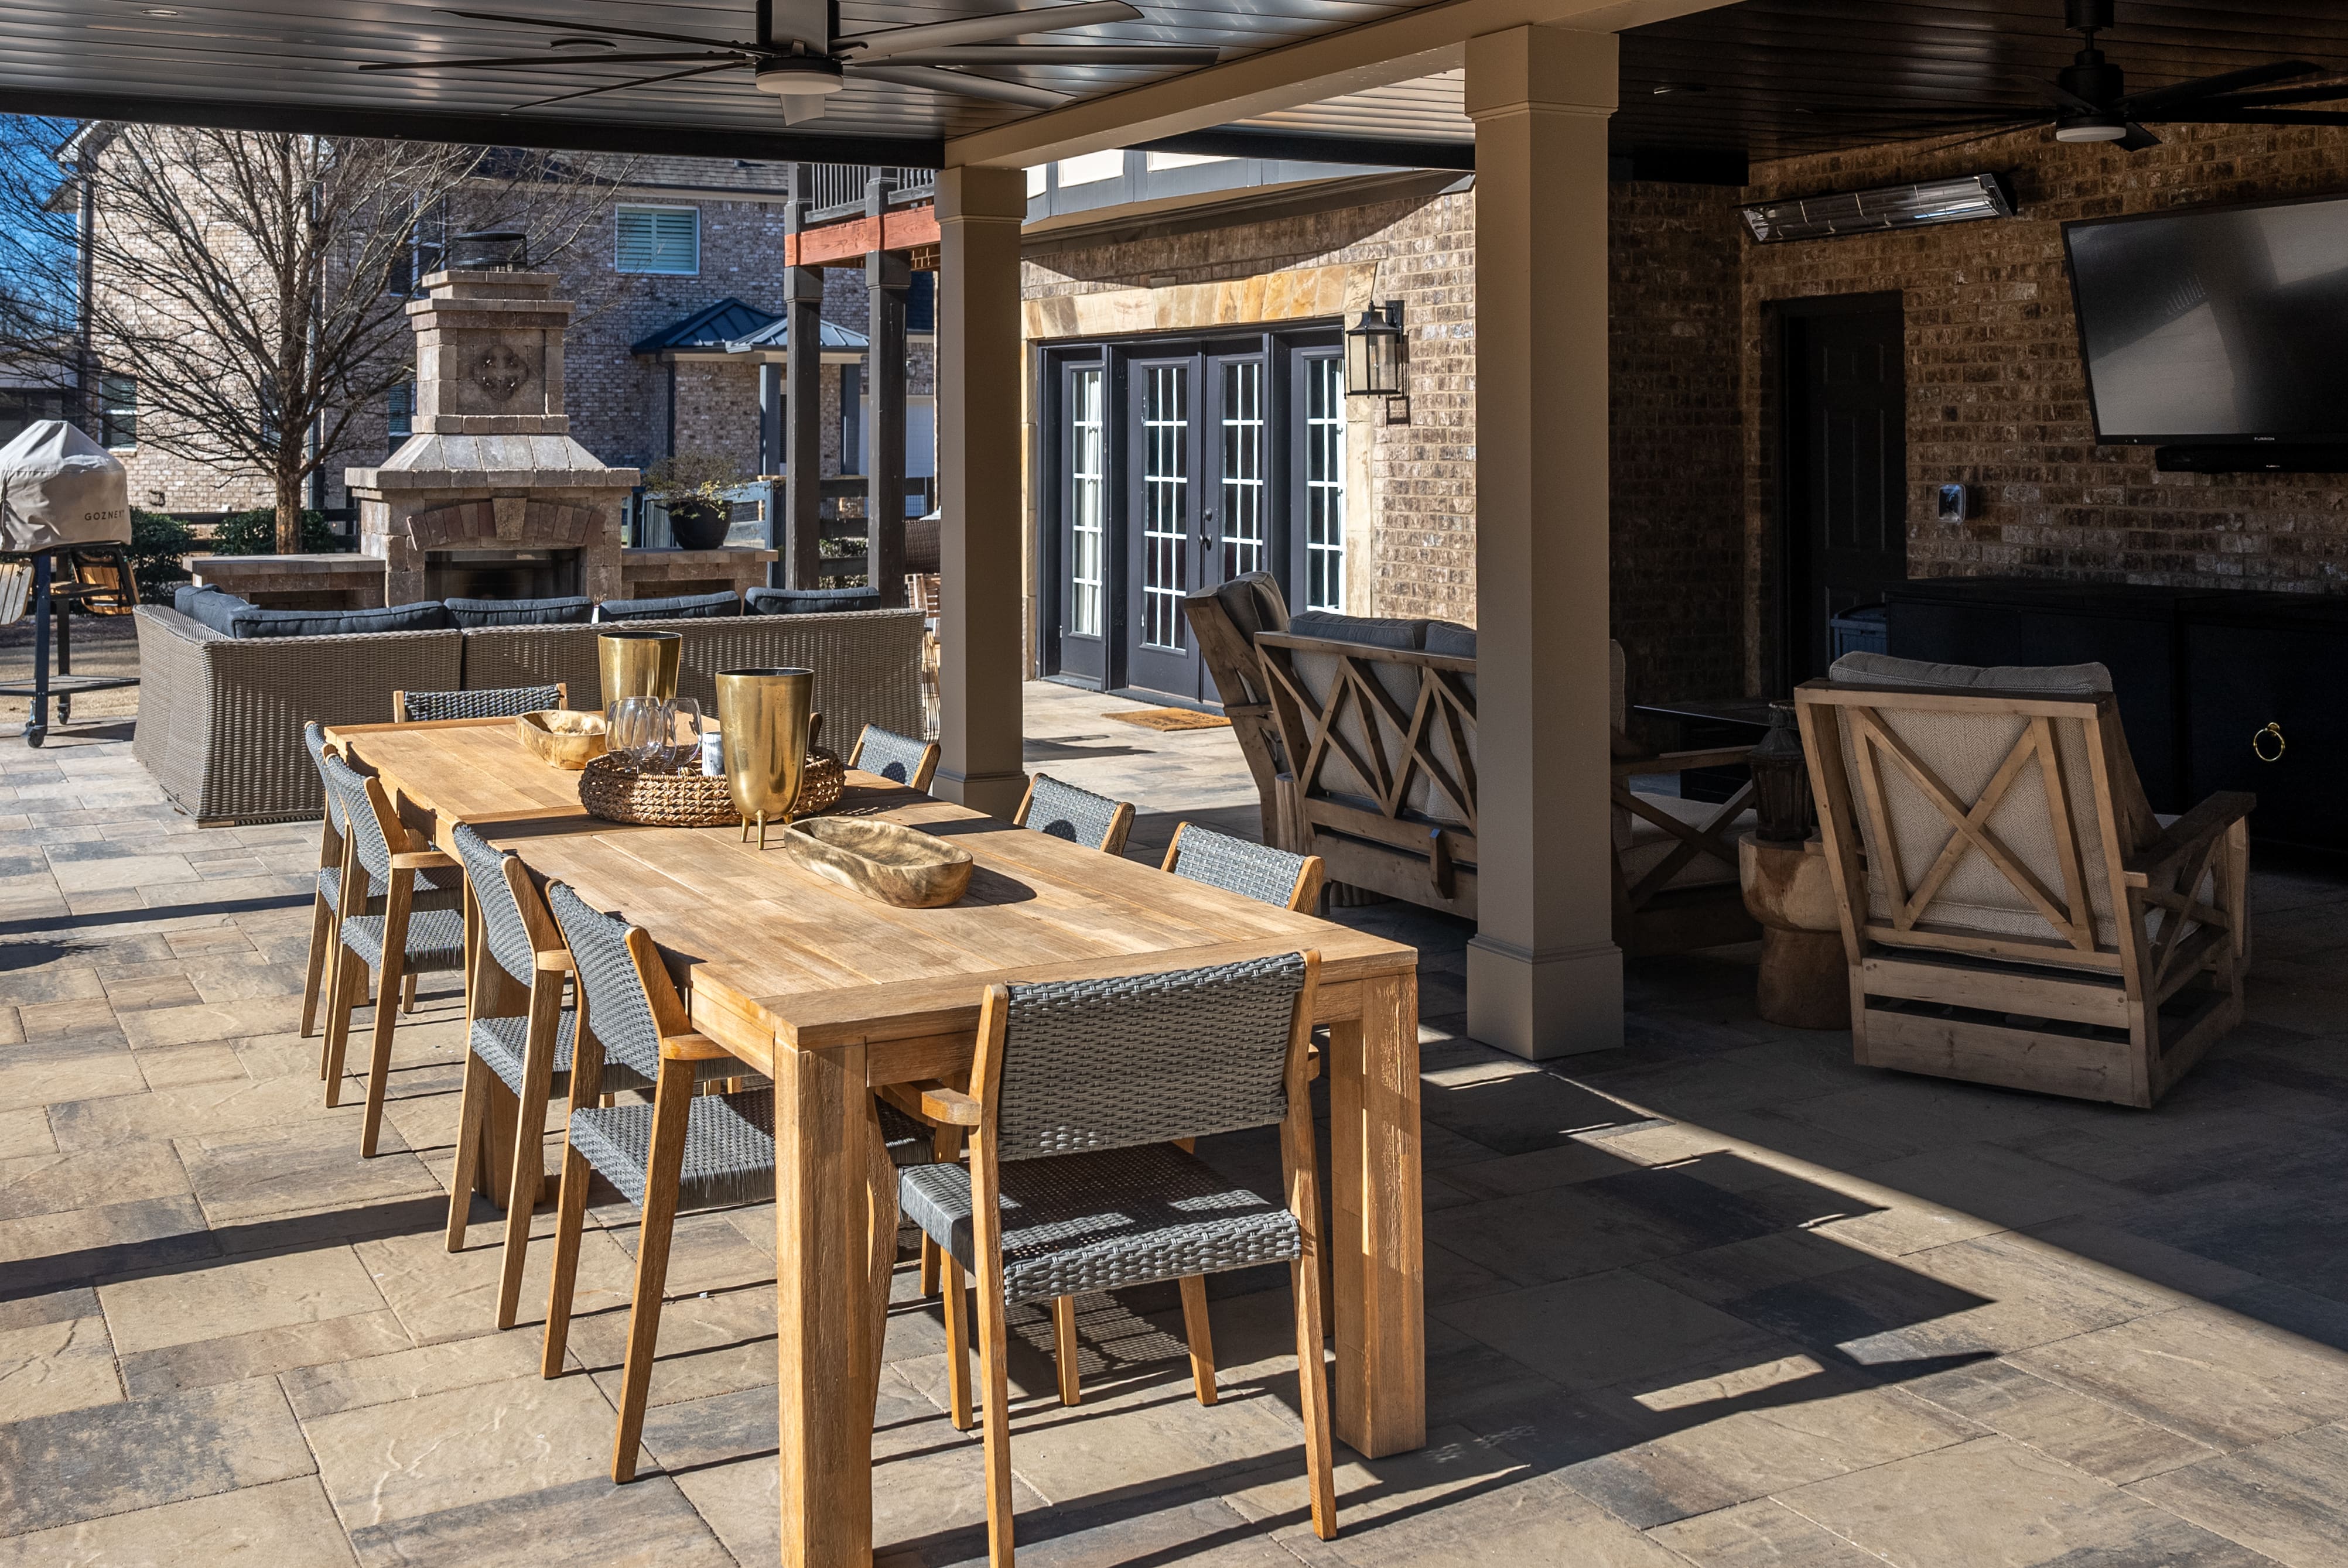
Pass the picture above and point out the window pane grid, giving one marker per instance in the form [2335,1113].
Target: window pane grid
[1324,485]
[1242,422]
[1165,505]
[1088,476]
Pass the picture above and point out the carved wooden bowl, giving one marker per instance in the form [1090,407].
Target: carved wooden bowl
[563,737]
[881,860]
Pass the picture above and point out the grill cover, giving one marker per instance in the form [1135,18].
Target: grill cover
[59,487]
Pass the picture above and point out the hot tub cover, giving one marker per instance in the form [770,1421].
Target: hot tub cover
[59,487]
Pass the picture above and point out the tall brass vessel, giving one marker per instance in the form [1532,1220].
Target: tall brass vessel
[639,664]
[764,716]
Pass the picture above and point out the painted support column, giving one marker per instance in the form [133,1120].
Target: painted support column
[803,427]
[1544,975]
[887,278]
[980,624]
[771,418]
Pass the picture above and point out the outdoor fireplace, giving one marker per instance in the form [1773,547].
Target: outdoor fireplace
[501,574]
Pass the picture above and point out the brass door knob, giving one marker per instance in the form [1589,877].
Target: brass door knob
[2258,741]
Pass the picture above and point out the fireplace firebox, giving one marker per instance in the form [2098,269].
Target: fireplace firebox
[501,574]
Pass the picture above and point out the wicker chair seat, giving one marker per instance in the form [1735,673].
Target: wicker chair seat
[729,1148]
[480,702]
[447,886]
[436,938]
[498,1042]
[1074,1224]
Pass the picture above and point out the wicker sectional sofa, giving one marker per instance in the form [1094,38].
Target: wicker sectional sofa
[220,717]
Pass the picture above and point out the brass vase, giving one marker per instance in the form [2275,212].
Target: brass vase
[764,716]
[639,664]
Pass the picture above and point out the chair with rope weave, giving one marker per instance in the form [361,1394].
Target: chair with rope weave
[899,759]
[478,702]
[1077,1093]
[1080,817]
[685,1150]
[418,927]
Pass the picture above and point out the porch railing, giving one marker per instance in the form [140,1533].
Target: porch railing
[838,188]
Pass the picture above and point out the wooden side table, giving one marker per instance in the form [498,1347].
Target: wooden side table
[1804,976]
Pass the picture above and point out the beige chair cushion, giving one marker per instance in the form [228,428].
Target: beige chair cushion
[1964,750]
[1640,845]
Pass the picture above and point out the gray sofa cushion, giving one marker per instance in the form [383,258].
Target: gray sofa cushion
[209,607]
[809,600]
[2049,680]
[426,615]
[1375,632]
[685,606]
[1450,639]
[472,612]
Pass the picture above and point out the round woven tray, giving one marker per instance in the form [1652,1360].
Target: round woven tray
[611,789]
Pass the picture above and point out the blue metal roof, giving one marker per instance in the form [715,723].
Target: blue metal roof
[729,326]
[836,339]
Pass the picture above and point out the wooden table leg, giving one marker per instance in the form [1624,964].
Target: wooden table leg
[1381,1375]
[824,1322]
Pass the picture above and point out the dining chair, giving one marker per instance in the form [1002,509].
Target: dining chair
[1079,816]
[420,929]
[324,911]
[899,759]
[519,1049]
[1074,1184]
[1254,871]
[684,1150]
[480,702]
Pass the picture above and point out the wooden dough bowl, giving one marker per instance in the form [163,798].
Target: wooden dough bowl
[564,737]
[881,860]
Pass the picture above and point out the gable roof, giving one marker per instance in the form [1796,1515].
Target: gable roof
[729,326]
[835,338]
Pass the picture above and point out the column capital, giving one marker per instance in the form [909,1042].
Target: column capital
[974,194]
[1541,67]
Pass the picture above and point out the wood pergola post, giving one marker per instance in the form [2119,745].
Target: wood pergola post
[980,624]
[1544,975]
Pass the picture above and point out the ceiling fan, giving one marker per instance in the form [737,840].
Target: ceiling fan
[2088,101]
[800,56]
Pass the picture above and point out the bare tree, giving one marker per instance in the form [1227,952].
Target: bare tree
[256,284]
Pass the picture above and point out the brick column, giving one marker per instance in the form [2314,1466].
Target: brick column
[1544,975]
[979,370]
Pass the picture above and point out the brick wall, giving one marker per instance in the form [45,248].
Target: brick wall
[1996,394]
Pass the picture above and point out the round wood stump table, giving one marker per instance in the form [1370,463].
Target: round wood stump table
[1804,979]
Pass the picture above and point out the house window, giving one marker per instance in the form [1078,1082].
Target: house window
[1242,443]
[399,414]
[118,416]
[1165,505]
[1325,483]
[657,239]
[1087,480]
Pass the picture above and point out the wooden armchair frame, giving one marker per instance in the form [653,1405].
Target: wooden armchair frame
[2119,1020]
[1651,916]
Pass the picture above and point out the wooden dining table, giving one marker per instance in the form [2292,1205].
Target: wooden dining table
[832,995]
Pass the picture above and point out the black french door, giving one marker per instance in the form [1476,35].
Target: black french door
[1180,464]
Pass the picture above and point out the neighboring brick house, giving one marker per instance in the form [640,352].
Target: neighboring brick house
[681,237]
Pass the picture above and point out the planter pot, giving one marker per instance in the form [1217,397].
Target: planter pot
[697,524]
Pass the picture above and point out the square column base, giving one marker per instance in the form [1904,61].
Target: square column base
[1544,1005]
[997,794]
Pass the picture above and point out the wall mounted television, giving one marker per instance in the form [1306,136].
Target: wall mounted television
[2217,327]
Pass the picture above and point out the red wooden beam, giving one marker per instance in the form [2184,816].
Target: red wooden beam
[856,237]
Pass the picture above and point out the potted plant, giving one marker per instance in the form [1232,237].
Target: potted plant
[692,486]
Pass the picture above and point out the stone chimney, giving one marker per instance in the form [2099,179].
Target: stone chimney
[490,496]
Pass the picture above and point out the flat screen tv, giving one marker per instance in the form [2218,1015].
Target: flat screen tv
[2216,325]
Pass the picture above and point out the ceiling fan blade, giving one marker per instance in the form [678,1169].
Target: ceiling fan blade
[589,27]
[2138,139]
[2064,97]
[1992,135]
[2324,94]
[539,62]
[969,86]
[1059,55]
[1953,113]
[982,30]
[622,86]
[2254,116]
[2147,106]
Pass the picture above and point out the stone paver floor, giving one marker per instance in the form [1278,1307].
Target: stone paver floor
[1718,1298]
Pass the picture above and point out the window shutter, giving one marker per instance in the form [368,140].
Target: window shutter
[659,239]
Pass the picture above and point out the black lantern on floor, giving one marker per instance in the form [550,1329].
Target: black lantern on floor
[1782,808]
[1374,353]
[489,250]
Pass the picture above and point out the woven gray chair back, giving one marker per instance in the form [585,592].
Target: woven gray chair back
[347,790]
[484,703]
[894,757]
[313,735]
[1064,811]
[1146,1059]
[501,922]
[618,1011]
[1256,871]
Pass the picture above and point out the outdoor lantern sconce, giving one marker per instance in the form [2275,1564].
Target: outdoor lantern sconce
[1784,811]
[1375,360]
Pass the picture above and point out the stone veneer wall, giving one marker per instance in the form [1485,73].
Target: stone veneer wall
[1676,468]
[1996,394]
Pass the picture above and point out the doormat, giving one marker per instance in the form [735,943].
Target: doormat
[1168,718]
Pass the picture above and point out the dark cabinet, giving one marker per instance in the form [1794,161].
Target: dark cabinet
[2198,675]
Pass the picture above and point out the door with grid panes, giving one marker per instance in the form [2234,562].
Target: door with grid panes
[1179,466]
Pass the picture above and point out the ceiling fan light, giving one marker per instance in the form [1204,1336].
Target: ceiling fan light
[584,45]
[798,76]
[2090,130]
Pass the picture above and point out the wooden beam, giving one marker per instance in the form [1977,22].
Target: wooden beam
[853,239]
[1416,44]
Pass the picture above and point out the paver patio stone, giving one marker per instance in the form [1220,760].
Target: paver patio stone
[1625,1328]
[1760,1534]
[261,1352]
[2281,1497]
[116,1458]
[236,1295]
[56,1182]
[2084,1433]
[66,1364]
[2219,1377]
[282,1524]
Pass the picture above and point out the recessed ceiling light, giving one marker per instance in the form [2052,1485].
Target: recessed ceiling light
[1679,87]
[158,11]
[582,45]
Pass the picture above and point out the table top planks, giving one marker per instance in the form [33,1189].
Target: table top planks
[777,958]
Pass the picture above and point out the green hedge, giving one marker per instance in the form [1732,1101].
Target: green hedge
[158,540]
[255,533]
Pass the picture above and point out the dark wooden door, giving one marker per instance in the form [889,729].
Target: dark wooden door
[1845,470]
